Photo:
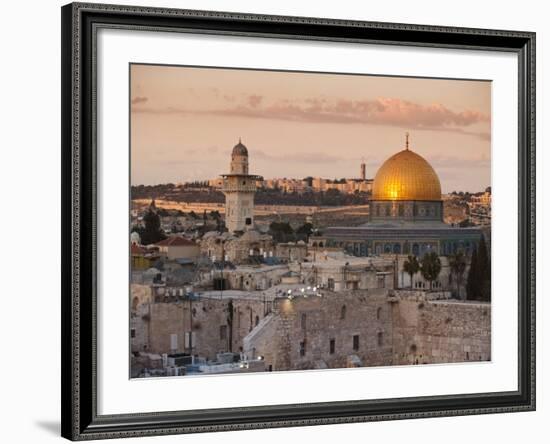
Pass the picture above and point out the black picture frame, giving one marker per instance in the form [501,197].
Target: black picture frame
[79,173]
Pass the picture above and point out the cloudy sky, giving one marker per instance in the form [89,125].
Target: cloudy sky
[185,121]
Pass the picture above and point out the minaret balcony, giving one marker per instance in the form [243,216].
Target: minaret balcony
[232,188]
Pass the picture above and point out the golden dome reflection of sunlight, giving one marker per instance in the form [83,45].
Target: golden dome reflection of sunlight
[406,176]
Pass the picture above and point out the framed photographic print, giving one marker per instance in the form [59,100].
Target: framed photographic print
[280,221]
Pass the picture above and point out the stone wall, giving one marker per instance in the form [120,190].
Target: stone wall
[303,329]
[259,343]
[375,327]
[440,331]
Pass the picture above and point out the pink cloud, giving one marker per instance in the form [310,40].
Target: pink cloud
[380,111]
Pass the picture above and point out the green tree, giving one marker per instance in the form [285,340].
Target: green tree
[215,214]
[457,263]
[484,272]
[430,267]
[478,286]
[305,230]
[281,231]
[411,267]
[151,232]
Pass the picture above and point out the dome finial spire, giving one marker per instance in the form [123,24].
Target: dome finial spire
[240,139]
[407,140]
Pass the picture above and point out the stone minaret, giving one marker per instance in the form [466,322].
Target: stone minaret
[363,171]
[239,188]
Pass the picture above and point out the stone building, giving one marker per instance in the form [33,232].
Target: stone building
[217,322]
[142,257]
[254,278]
[237,249]
[177,247]
[291,251]
[349,273]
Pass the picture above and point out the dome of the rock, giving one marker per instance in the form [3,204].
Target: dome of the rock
[406,176]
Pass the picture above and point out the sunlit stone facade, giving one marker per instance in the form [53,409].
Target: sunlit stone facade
[239,188]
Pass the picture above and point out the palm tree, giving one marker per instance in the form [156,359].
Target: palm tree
[411,267]
[430,267]
[457,262]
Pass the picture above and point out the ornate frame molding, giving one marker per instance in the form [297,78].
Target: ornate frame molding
[80,22]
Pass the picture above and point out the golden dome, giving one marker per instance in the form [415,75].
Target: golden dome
[406,176]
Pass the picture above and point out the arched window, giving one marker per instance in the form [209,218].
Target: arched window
[380,337]
[343,312]
[257,321]
[303,321]
[378,313]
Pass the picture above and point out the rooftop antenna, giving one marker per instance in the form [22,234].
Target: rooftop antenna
[407,140]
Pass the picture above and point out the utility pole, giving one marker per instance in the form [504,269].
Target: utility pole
[223,267]
[395,272]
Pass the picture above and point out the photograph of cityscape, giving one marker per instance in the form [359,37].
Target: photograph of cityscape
[284,220]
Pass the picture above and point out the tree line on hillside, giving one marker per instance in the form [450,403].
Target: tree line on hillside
[263,196]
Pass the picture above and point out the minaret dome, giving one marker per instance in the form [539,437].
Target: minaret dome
[239,159]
